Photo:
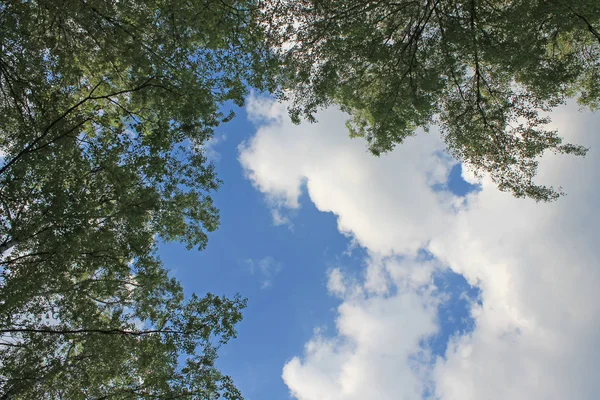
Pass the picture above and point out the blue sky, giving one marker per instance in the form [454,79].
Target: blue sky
[396,267]
[281,316]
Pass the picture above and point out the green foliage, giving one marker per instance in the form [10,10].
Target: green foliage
[104,108]
[107,337]
[484,71]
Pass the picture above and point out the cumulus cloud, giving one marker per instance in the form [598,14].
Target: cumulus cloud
[538,328]
[265,268]
[381,202]
[537,325]
[375,352]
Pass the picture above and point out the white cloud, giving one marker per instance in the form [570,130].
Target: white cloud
[537,334]
[375,352]
[209,148]
[266,268]
[335,283]
[280,219]
[537,330]
[382,202]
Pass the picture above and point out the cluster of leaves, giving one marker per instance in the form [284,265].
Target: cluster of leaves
[104,107]
[109,337]
[484,71]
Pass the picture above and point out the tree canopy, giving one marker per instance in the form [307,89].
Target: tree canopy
[104,109]
[105,106]
[485,72]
